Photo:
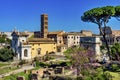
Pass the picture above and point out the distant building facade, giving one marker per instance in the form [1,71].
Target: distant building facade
[72,38]
[37,34]
[112,36]
[86,32]
[116,34]
[8,35]
[44,42]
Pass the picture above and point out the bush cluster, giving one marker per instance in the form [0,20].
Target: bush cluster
[6,54]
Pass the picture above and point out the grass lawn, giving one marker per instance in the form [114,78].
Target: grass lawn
[7,69]
[116,75]
[13,77]
[3,64]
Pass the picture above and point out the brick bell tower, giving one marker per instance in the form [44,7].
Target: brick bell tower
[44,25]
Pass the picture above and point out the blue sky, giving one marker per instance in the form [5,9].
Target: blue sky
[63,14]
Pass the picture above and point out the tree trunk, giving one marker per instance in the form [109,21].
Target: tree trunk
[107,46]
[106,43]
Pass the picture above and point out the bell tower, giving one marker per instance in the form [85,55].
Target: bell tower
[44,25]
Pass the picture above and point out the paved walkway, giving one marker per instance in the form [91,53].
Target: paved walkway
[18,70]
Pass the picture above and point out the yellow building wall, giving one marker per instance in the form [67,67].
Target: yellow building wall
[45,48]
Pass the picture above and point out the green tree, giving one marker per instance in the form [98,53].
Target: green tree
[6,54]
[4,39]
[8,40]
[100,16]
[117,12]
[115,51]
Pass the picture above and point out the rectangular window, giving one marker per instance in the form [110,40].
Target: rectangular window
[46,27]
[46,23]
[46,18]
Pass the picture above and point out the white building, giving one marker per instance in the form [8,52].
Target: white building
[20,46]
[72,38]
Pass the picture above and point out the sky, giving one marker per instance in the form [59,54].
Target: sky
[65,15]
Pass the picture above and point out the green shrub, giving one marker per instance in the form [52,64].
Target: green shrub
[115,67]
[37,63]
[36,59]
[98,74]
[85,72]
[6,54]
[41,64]
[79,78]
[61,63]
[69,63]
[87,78]
[22,62]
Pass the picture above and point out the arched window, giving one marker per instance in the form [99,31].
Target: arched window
[39,51]
[25,53]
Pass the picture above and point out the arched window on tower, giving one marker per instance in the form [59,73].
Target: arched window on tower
[25,53]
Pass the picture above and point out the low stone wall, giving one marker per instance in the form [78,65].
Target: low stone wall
[62,77]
